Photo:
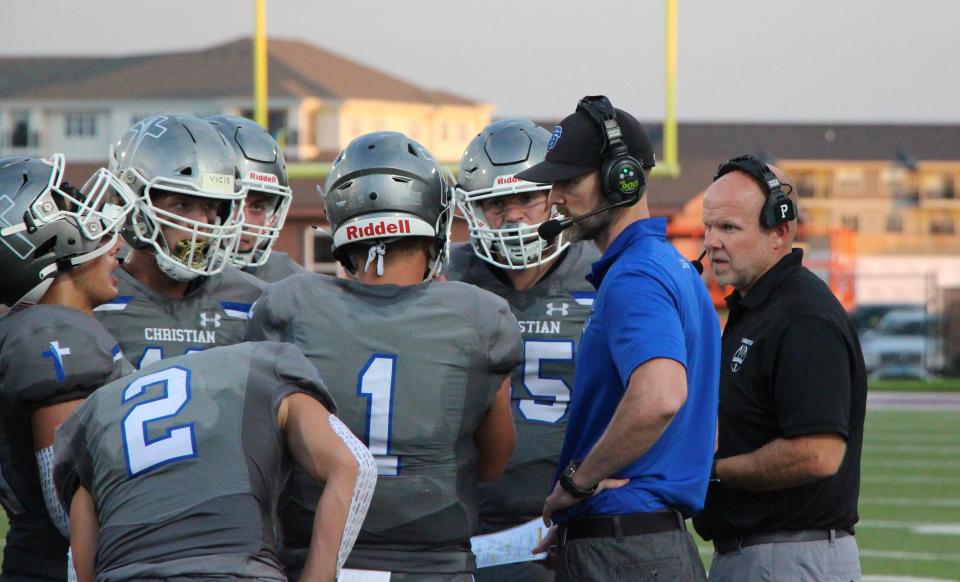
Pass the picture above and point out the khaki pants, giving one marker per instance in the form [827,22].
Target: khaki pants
[821,561]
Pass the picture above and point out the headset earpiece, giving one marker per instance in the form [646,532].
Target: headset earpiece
[778,208]
[621,174]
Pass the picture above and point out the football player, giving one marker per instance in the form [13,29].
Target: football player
[264,173]
[58,249]
[419,368]
[545,286]
[178,293]
[173,472]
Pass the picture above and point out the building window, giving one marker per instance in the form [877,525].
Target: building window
[849,181]
[895,180]
[81,125]
[942,225]
[850,222]
[937,186]
[444,131]
[20,134]
[415,130]
[464,132]
[318,251]
[811,185]
[894,223]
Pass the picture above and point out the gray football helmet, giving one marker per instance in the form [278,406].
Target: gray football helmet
[181,154]
[385,186]
[487,170]
[262,169]
[48,227]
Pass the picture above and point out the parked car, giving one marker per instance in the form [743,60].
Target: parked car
[906,343]
[867,316]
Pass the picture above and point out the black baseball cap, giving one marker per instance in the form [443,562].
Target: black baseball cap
[576,148]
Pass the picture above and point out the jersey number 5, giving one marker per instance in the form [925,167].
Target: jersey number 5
[178,442]
[550,395]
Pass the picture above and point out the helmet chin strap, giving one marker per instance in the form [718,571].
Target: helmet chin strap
[378,250]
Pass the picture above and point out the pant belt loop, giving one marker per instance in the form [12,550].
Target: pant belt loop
[833,536]
[562,536]
[683,524]
[617,529]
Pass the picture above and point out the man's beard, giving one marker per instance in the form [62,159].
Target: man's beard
[593,227]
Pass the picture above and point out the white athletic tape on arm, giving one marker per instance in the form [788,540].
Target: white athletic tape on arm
[362,491]
[58,516]
[71,571]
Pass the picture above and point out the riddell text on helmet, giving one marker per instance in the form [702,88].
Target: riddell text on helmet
[378,229]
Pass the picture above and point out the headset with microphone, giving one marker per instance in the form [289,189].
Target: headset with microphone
[777,206]
[621,175]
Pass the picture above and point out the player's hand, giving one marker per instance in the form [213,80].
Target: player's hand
[560,499]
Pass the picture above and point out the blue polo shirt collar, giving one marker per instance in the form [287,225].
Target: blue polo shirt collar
[645,228]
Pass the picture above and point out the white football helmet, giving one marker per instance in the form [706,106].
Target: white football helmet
[181,154]
[262,169]
[488,170]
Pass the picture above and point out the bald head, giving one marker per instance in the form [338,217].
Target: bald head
[740,249]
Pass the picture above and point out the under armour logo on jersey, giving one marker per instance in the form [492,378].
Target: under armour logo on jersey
[740,354]
[563,309]
[205,319]
[56,354]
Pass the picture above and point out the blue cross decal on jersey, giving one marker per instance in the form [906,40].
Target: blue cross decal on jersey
[56,354]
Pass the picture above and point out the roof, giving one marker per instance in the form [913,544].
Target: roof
[296,69]
[703,146]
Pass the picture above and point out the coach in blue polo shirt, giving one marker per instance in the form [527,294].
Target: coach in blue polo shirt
[640,437]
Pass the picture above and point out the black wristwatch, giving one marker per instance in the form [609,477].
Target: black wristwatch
[566,481]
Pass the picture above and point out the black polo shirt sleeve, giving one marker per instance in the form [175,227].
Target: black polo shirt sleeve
[811,387]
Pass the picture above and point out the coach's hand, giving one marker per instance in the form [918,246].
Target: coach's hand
[560,499]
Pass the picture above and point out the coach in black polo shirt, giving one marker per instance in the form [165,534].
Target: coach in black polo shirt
[783,501]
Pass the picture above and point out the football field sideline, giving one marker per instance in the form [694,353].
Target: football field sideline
[910,491]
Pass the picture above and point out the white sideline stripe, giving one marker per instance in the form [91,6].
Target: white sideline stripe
[922,556]
[884,578]
[909,479]
[935,450]
[919,527]
[911,501]
[915,439]
[911,463]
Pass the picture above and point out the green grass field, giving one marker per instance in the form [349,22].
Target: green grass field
[909,496]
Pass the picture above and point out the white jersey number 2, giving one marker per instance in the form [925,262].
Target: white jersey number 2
[178,442]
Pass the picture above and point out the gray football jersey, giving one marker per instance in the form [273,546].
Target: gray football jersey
[415,370]
[278,266]
[151,327]
[48,354]
[551,315]
[185,461]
